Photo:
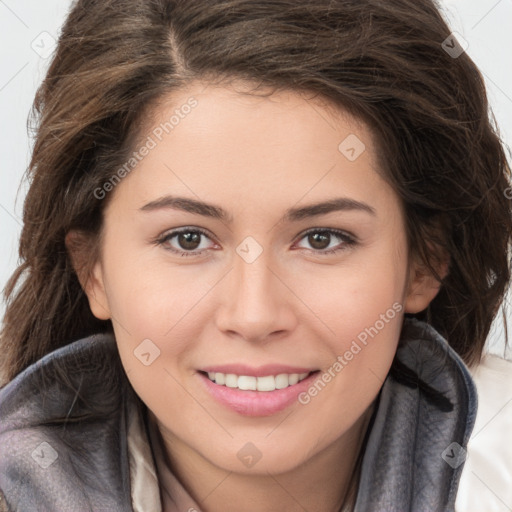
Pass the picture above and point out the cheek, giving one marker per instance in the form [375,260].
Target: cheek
[153,331]
[150,297]
[364,326]
[153,307]
[362,309]
[353,297]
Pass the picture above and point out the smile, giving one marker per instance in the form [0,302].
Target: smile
[251,395]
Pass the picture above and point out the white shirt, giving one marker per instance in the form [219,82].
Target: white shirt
[486,481]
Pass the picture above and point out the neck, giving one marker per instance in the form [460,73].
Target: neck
[327,482]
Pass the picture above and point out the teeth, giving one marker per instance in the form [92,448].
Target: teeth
[247,382]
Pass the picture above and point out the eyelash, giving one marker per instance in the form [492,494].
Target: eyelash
[347,240]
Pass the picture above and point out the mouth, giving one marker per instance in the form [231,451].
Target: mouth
[251,395]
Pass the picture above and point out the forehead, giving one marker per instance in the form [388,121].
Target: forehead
[239,146]
[241,105]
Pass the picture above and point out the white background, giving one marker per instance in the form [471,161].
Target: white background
[25,25]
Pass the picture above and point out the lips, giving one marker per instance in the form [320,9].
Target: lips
[259,391]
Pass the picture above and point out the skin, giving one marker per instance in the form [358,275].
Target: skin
[256,157]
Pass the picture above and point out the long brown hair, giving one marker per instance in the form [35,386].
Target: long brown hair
[384,62]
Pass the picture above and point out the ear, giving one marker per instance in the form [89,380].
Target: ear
[423,286]
[88,268]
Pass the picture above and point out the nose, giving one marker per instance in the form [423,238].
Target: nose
[258,304]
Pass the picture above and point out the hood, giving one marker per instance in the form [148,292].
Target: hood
[417,445]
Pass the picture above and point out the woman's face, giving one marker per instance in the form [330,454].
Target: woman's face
[292,260]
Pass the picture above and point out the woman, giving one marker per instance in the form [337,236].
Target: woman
[262,244]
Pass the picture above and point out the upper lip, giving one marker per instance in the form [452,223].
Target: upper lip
[261,371]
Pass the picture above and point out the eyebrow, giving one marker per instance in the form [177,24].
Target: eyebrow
[291,215]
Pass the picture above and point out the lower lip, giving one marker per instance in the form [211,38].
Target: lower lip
[256,403]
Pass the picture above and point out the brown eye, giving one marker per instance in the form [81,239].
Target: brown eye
[185,242]
[323,241]
[319,240]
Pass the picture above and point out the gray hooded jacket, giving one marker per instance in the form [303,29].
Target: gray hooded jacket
[63,430]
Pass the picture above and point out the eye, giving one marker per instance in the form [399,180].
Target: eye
[185,241]
[188,241]
[321,239]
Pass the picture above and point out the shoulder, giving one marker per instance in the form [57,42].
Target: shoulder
[63,428]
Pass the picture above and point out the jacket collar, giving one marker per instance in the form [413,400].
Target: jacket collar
[64,429]
[416,448]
